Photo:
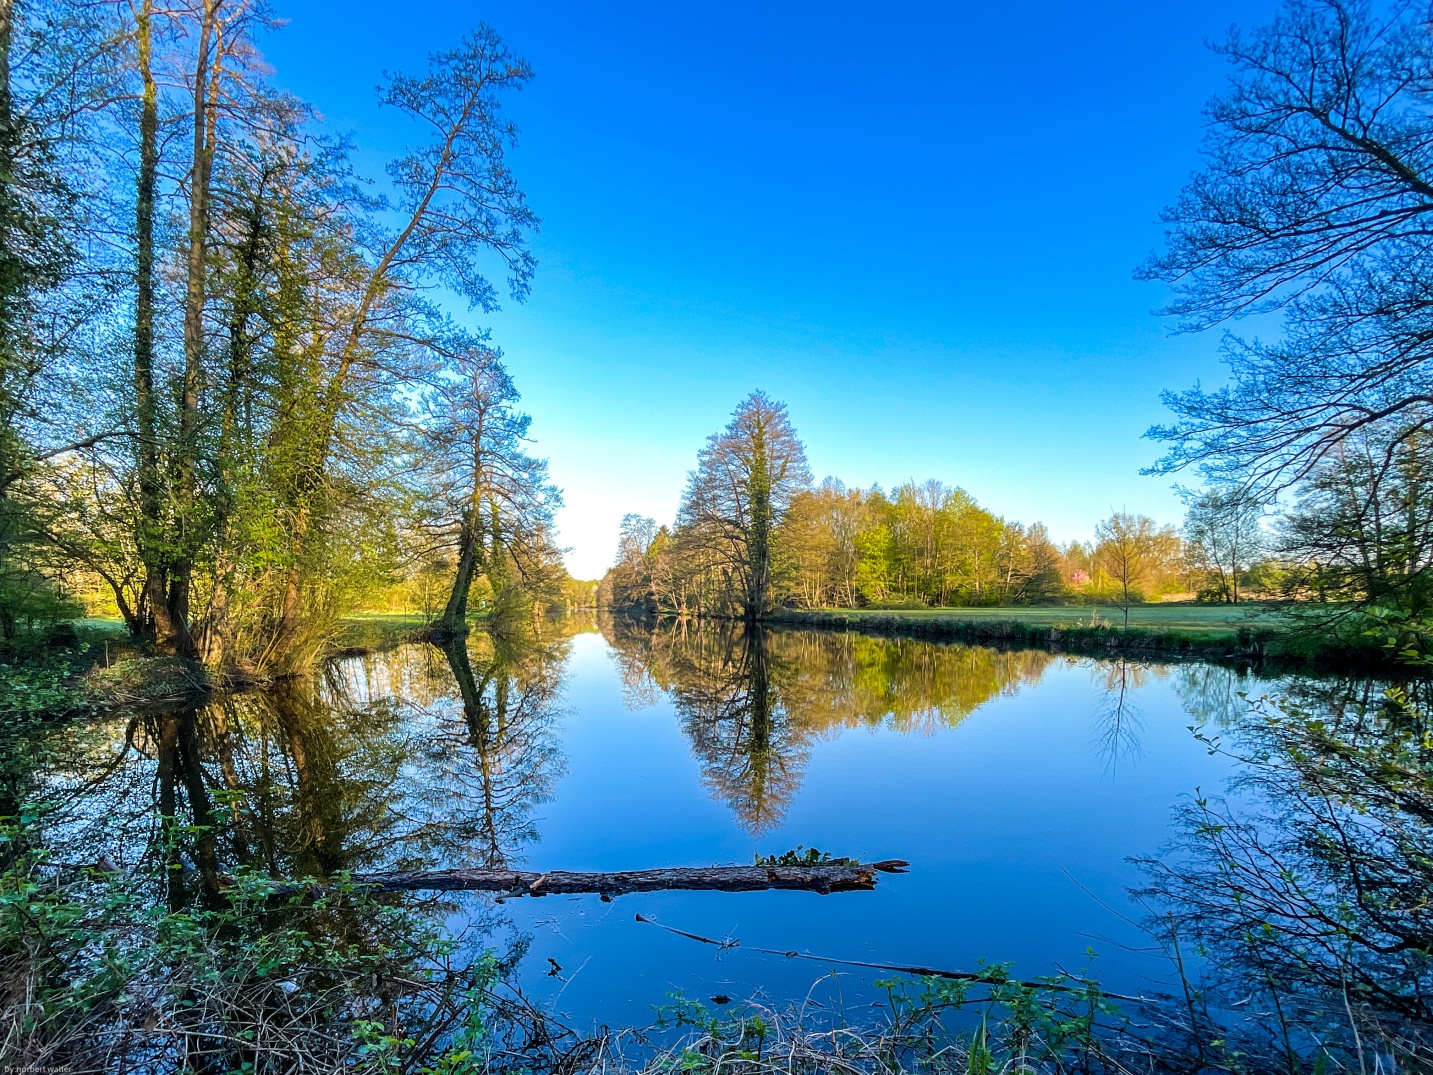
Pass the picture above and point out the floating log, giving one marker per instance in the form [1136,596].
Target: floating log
[824,879]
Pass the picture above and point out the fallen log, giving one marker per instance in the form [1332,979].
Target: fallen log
[823,879]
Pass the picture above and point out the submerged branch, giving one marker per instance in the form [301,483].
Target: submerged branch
[991,976]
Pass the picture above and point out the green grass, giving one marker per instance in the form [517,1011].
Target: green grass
[1192,619]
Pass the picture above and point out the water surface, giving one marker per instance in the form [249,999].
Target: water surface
[1018,784]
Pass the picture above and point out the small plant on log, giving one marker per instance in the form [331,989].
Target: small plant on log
[804,856]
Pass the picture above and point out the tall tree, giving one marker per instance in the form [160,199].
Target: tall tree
[498,495]
[741,490]
[149,535]
[457,206]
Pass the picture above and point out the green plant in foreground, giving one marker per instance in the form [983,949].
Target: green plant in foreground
[987,1024]
[98,973]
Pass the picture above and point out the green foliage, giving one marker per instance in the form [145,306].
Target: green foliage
[340,978]
[32,690]
[921,546]
[1406,636]
[986,1023]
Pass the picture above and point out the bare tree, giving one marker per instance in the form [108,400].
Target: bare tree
[1133,550]
[1224,535]
[1314,199]
[741,490]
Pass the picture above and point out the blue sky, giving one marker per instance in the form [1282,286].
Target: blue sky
[916,224]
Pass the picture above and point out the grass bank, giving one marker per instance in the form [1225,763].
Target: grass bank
[1202,632]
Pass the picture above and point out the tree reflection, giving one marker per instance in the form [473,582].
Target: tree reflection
[508,708]
[752,702]
[178,766]
[410,759]
[1309,886]
[752,753]
[1118,719]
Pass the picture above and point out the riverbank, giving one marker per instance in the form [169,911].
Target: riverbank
[93,665]
[1168,632]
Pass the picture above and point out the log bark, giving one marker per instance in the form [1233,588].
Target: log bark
[823,879]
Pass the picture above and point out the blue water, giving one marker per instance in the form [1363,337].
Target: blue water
[1018,823]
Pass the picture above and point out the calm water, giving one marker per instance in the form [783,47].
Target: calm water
[1017,784]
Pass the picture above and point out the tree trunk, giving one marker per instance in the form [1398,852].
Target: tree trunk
[455,615]
[172,630]
[759,540]
[151,526]
[7,33]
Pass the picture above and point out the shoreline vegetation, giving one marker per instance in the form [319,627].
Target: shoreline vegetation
[1093,632]
[96,668]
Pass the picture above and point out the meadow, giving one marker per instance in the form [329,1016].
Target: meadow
[1209,620]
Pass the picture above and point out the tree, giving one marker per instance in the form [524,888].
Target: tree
[1224,536]
[43,95]
[746,477]
[265,398]
[635,535]
[1313,200]
[457,206]
[1362,528]
[497,495]
[1133,551]
[1029,565]
[630,583]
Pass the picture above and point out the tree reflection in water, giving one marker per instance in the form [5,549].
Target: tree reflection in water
[1308,887]
[752,702]
[1118,719]
[409,759]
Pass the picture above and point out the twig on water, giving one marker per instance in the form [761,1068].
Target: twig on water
[924,972]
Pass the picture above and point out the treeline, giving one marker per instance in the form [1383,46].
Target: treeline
[754,534]
[230,402]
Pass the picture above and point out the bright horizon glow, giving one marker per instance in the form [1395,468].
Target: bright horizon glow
[914,225]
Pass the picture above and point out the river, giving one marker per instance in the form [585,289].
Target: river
[1020,785]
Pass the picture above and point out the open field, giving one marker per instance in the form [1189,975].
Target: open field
[1190,618]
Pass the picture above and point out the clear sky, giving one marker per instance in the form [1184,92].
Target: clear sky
[916,224]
